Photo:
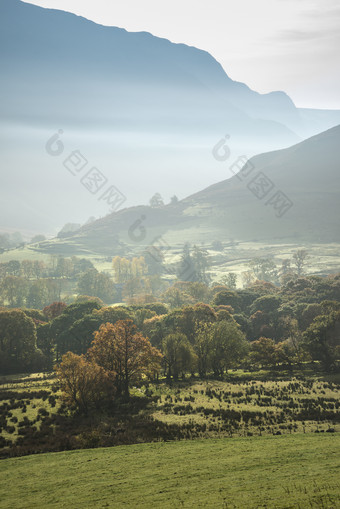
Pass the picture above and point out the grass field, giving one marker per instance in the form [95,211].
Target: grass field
[254,407]
[33,419]
[289,471]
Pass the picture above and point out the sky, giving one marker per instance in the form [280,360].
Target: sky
[289,45]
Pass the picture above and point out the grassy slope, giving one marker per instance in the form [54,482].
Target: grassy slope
[289,471]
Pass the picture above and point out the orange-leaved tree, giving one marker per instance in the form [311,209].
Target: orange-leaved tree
[83,382]
[120,348]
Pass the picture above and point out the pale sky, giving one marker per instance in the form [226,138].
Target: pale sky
[290,45]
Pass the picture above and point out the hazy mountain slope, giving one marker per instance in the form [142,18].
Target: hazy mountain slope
[144,111]
[81,60]
[308,174]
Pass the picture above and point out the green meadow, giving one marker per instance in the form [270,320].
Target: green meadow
[288,471]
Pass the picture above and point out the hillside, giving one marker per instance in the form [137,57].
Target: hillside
[142,110]
[286,471]
[308,174]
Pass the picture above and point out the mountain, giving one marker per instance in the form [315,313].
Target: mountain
[144,111]
[234,209]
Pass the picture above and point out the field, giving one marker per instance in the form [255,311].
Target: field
[290,471]
[246,408]
[34,419]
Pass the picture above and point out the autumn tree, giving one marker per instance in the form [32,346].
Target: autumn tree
[53,310]
[83,382]
[119,348]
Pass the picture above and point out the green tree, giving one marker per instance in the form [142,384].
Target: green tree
[13,290]
[322,339]
[203,348]
[37,294]
[18,348]
[61,326]
[228,346]
[264,352]
[227,298]
[178,355]
[96,284]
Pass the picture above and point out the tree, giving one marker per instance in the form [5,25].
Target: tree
[200,259]
[113,314]
[299,259]
[264,352]
[18,348]
[230,280]
[264,269]
[27,267]
[96,284]
[37,294]
[199,292]
[154,259]
[13,268]
[119,348]
[13,290]
[61,326]
[46,344]
[64,267]
[203,348]
[186,269]
[228,346]
[322,339]
[83,382]
[53,310]
[81,333]
[178,354]
[227,298]
[193,265]
[247,278]
[130,275]
[173,200]
[266,304]
[156,201]
[176,298]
